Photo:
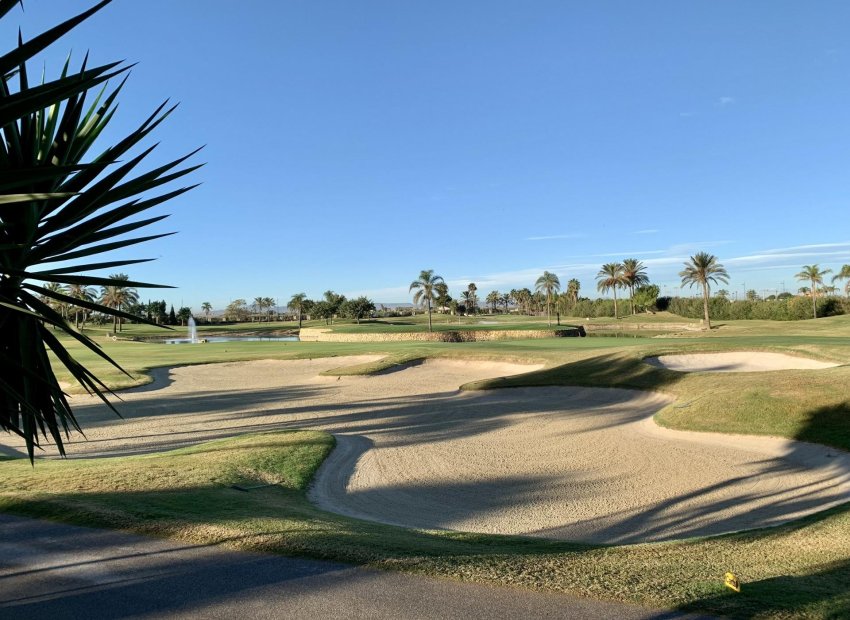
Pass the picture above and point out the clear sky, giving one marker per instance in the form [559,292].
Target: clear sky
[350,145]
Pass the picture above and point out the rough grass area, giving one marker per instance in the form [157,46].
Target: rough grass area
[794,571]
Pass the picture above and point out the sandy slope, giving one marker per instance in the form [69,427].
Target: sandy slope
[573,463]
[736,361]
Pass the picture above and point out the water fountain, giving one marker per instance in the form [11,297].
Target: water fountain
[193,330]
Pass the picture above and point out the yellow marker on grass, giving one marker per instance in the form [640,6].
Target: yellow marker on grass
[731,581]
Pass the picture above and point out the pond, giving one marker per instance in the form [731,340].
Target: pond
[203,339]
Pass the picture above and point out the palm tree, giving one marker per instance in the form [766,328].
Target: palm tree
[493,299]
[702,269]
[259,306]
[118,296]
[548,283]
[207,308]
[634,275]
[814,274]
[471,288]
[843,274]
[426,290]
[573,288]
[610,278]
[505,300]
[297,304]
[523,299]
[79,291]
[270,304]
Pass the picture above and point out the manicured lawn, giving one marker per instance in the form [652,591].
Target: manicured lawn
[799,570]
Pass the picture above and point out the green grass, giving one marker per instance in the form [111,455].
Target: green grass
[799,570]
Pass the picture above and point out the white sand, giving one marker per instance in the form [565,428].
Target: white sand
[736,361]
[566,463]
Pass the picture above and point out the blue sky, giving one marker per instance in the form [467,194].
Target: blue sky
[351,144]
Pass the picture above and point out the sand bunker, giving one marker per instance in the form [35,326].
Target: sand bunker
[563,463]
[736,361]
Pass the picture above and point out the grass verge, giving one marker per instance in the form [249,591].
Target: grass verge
[799,570]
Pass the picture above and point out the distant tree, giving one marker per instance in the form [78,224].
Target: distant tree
[442,297]
[505,301]
[573,289]
[473,298]
[646,296]
[184,314]
[752,295]
[703,268]
[269,303]
[634,275]
[207,308]
[259,306]
[493,299]
[814,274]
[523,299]
[334,302]
[83,293]
[296,302]
[237,310]
[426,290]
[172,316]
[843,274]
[610,278]
[357,308]
[548,283]
[722,294]
[323,310]
[118,296]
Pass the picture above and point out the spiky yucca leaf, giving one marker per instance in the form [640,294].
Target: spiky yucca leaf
[59,205]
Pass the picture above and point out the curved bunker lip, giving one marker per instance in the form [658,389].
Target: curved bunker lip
[735,361]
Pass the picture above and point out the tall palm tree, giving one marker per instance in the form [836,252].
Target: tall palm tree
[207,308]
[82,292]
[426,290]
[473,298]
[814,274]
[634,275]
[843,274]
[118,296]
[548,283]
[573,288]
[297,304]
[610,278]
[701,269]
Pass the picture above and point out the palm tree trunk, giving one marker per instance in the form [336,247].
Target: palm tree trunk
[548,310]
[814,299]
[632,298]
[705,305]
[616,314]
[429,314]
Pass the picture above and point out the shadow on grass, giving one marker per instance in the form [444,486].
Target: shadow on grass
[828,425]
[621,370]
[824,593]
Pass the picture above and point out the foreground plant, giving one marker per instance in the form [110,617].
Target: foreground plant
[59,205]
